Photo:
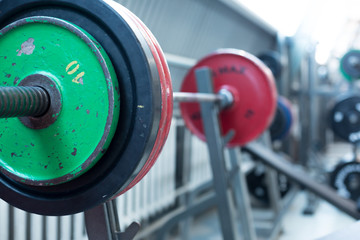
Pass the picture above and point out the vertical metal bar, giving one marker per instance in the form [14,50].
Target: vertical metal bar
[311,162]
[28,226]
[157,190]
[59,227]
[72,227]
[152,196]
[277,222]
[312,99]
[183,170]
[209,112]
[272,179]
[280,48]
[142,199]
[19,224]
[172,154]
[4,220]
[96,223]
[130,201]
[304,111]
[78,226]
[52,230]
[137,193]
[44,224]
[84,232]
[66,227]
[121,210]
[158,195]
[113,220]
[11,223]
[36,227]
[273,189]
[241,195]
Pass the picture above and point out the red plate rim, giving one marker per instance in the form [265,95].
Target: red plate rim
[166,97]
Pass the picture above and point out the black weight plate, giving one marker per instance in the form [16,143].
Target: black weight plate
[278,124]
[345,118]
[345,178]
[350,65]
[273,61]
[281,125]
[256,182]
[132,143]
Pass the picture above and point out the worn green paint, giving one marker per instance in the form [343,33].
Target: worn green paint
[62,148]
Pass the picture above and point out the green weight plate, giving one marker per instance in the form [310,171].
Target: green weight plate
[350,65]
[87,118]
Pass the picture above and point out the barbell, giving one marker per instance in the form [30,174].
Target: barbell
[86,102]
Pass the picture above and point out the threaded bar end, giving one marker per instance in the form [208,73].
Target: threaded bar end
[23,102]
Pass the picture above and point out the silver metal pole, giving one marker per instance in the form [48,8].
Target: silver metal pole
[196,97]
[217,159]
[224,97]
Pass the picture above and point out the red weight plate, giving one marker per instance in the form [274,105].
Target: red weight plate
[252,86]
[166,95]
[166,86]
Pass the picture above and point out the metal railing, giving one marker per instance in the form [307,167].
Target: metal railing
[154,194]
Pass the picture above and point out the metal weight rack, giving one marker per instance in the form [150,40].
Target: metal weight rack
[233,204]
[216,143]
[102,223]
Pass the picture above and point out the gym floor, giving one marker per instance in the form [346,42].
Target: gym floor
[326,220]
[295,225]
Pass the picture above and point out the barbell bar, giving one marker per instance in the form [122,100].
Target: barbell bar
[224,97]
